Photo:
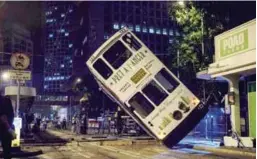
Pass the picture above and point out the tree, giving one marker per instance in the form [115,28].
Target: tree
[197,27]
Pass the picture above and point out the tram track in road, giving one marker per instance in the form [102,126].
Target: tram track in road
[92,150]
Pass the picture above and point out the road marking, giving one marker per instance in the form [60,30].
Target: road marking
[192,151]
[88,155]
[132,154]
[44,156]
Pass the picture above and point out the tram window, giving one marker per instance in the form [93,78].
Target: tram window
[102,69]
[131,41]
[166,80]
[117,54]
[141,105]
[155,93]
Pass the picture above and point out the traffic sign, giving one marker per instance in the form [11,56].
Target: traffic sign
[20,61]
[19,75]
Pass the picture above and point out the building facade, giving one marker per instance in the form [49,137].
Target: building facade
[58,46]
[235,61]
[148,20]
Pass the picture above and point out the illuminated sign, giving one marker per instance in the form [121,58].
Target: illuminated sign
[138,76]
[234,43]
[17,122]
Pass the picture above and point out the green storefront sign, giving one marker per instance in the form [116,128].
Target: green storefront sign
[252,108]
[234,43]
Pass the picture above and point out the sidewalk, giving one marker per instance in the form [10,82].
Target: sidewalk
[214,146]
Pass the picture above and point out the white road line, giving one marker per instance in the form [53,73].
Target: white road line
[78,153]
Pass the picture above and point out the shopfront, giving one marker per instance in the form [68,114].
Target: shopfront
[235,59]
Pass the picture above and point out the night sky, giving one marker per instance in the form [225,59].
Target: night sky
[29,12]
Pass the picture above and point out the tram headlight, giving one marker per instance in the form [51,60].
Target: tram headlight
[177,115]
[183,107]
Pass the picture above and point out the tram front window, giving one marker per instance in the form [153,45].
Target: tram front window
[117,54]
[102,69]
[141,105]
[131,41]
[155,93]
[166,80]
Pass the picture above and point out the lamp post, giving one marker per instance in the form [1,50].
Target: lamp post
[6,77]
[18,98]
[182,4]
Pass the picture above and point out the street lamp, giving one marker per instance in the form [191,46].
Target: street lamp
[78,80]
[181,3]
[5,76]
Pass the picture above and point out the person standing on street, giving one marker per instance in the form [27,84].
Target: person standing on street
[7,133]
[64,127]
[73,124]
[119,126]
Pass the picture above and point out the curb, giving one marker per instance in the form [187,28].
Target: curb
[25,154]
[225,151]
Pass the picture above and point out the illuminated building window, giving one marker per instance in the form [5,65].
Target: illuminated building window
[66,34]
[144,29]
[62,15]
[49,20]
[138,29]
[158,31]
[62,65]
[116,26]
[151,30]
[131,27]
[70,45]
[164,31]
[171,33]
[122,25]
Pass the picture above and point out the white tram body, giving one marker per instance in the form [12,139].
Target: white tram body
[131,75]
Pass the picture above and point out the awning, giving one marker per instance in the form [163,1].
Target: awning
[203,75]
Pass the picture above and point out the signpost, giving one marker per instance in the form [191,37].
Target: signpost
[19,62]
[19,75]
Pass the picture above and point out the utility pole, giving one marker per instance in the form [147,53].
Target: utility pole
[178,63]
[202,15]
[18,98]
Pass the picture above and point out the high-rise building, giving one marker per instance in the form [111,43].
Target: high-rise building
[149,20]
[58,46]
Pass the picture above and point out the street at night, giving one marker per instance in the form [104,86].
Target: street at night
[124,148]
[128,79]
